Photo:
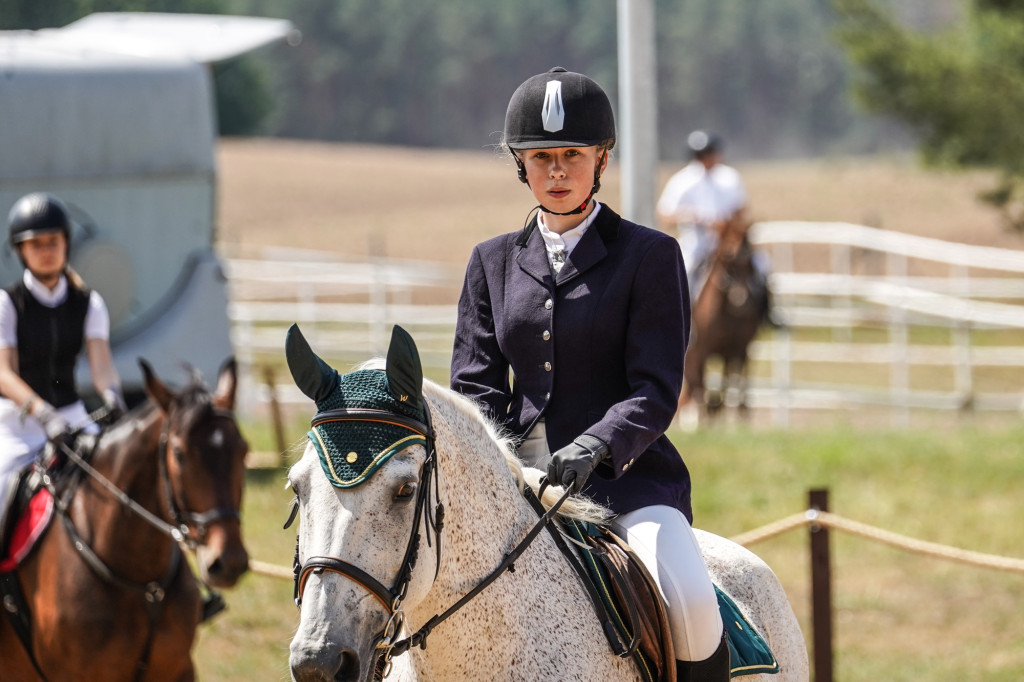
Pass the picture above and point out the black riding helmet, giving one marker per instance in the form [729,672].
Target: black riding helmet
[559,108]
[37,214]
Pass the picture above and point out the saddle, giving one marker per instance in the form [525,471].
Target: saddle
[29,512]
[631,598]
[31,504]
[625,585]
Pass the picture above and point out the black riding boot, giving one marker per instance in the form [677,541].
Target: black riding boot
[714,668]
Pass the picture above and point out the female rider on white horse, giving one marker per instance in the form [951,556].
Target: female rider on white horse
[589,314]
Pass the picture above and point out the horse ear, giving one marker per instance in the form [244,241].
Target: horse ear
[405,373]
[227,382]
[155,388]
[314,377]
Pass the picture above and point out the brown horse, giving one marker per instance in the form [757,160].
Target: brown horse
[726,316]
[107,592]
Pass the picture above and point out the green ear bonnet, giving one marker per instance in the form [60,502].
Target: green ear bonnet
[363,417]
[351,449]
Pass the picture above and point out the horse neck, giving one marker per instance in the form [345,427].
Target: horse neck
[485,517]
[128,457]
[485,514]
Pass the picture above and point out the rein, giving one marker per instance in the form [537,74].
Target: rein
[155,591]
[393,598]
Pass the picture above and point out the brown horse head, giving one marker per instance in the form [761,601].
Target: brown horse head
[205,467]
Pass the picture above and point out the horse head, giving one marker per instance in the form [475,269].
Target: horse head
[363,488]
[202,461]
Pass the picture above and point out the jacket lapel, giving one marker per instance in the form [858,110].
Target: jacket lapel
[592,249]
[532,257]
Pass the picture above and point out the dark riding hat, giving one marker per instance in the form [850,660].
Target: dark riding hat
[558,109]
[703,142]
[36,214]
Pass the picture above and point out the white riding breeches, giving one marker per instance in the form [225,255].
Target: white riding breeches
[662,538]
[21,439]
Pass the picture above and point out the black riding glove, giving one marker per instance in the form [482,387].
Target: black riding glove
[572,465]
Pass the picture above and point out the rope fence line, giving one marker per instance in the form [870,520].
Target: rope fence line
[272,570]
[813,517]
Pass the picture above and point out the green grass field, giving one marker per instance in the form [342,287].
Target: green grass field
[898,616]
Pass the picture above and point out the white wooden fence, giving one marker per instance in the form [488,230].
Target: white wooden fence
[890,282]
[831,281]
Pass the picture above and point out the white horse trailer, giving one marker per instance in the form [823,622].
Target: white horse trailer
[115,114]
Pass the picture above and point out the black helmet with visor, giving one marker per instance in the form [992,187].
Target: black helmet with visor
[559,108]
[37,214]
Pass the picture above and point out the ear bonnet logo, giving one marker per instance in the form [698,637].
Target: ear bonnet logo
[553,113]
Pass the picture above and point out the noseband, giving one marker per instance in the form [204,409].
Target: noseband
[391,598]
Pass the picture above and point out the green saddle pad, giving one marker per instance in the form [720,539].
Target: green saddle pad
[749,654]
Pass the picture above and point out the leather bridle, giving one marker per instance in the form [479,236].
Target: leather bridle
[392,598]
[192,526]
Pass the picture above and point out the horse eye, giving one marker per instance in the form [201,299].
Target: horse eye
[178,454]
[405,491]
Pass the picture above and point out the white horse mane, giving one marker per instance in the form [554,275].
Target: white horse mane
[578,507]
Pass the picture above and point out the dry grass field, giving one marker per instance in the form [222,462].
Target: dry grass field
[436,204]
[898,616]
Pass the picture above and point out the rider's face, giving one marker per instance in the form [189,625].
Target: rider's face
[562,177]
[46,255]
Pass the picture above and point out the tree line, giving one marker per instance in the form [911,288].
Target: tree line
[769,76]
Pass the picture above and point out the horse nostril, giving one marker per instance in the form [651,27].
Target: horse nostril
[349,670]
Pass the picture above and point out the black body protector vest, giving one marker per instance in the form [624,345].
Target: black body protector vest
[49,341]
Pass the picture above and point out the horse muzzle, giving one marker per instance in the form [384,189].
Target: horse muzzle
[328,665]
[222,558]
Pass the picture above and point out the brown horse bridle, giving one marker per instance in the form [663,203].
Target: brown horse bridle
[185,521]
[154,592]
[392,598]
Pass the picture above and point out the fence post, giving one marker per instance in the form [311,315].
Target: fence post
[275,414]
[821,590]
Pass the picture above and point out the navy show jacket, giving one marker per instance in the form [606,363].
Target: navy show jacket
[596,348]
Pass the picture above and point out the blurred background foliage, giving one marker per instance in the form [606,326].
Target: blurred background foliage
[961,88]
[768,75]
[777,78]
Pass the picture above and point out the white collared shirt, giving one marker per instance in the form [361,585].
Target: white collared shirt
[97,319]
[559,246]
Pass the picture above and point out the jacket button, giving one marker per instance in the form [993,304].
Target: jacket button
[547,366]
[628,464]
[548,304]
[546,335]
[547,396]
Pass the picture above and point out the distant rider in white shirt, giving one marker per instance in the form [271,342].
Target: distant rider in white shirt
[703,194]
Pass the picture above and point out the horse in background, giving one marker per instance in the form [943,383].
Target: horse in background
[107,593]
[364,579]
[726,316]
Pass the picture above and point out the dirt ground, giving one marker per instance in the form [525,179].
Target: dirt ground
[436,204]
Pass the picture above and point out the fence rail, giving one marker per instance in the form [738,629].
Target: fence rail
[889,284]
